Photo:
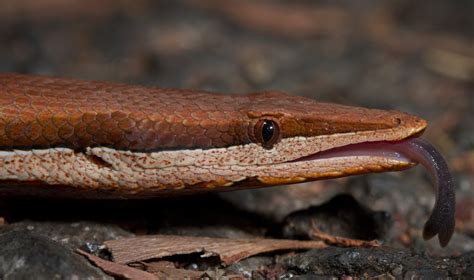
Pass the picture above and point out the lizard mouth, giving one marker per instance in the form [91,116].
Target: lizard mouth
[415,150]
[387,149]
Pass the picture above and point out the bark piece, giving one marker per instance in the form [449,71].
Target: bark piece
[229,251]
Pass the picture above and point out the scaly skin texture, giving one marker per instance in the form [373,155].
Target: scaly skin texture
[49,112]
[61,136]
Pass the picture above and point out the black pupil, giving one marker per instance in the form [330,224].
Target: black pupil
[268,129]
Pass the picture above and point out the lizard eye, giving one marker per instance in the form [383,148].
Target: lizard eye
[267,132]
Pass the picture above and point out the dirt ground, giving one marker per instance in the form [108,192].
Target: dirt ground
[403,55]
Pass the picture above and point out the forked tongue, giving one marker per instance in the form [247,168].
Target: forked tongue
[441,221]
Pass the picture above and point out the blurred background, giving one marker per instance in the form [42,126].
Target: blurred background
[412,56]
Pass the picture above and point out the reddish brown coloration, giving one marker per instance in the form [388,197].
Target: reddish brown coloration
[135,249]
[343,241]
[47,112]
[65,137]
[94,139]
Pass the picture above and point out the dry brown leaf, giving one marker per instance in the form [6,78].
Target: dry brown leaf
[229,251]
[118,270]
[343,241]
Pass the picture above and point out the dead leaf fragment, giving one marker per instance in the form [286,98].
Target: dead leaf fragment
[229,251]
[118,270]
[343,241]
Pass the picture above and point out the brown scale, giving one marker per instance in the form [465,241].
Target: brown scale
[38,111]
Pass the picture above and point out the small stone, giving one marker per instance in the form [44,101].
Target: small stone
[26,255]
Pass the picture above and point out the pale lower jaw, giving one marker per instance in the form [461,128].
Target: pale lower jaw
[441,221]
